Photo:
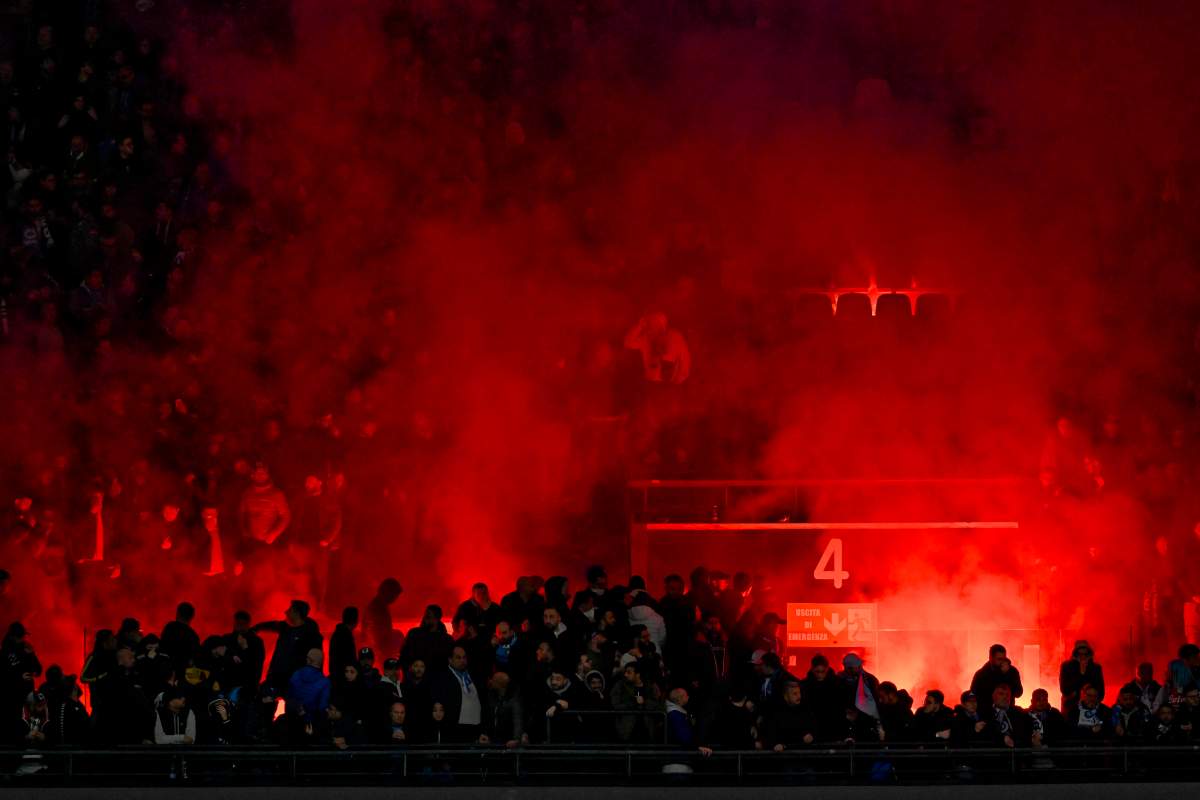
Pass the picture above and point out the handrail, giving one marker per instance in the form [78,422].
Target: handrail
[604,712]
[710,483]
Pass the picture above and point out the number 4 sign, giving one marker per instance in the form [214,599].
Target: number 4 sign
[829,568]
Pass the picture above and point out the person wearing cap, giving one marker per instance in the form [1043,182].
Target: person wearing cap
[848,679]
[998,669]
[366,668]
[1078,671]
[969,728]
[298,635]
[388,688]
[342,651]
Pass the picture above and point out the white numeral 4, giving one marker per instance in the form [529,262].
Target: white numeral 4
[832,554]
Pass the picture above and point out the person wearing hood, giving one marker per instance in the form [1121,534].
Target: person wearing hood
[298,635]
[1078,671]
[643,610]
[349,708]
[559,697]
[849,678]
[308,693]
[505,722]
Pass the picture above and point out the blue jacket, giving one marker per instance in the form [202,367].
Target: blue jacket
[308,692]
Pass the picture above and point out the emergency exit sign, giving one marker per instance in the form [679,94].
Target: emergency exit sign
[831,625]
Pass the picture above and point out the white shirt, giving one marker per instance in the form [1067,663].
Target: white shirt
[471,712]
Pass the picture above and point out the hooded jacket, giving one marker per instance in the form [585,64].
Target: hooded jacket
[308,693]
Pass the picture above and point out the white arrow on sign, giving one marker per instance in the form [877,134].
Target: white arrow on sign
[835,624]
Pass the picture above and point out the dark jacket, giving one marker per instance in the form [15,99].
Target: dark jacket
[1051,724]
[1079,729]
[180,642]
[988,677]
[342,652]
[824,699]
[431,645]
[291,649]
[926,726]
[505,718]
[788,725]
[1071,680]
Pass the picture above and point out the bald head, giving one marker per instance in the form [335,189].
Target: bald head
[316,658]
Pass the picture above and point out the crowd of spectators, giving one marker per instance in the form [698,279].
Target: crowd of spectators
[697,668]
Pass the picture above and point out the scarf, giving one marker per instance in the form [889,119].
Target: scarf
[1089,717]
[464,678]
[1003,721]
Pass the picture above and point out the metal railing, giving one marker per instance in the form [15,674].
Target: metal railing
[580,717]
[549,765]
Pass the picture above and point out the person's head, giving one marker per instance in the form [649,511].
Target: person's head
[1192,698]
[558,681]
[176,701]
[1145,672]
[126,147]
[1190,655]
[439,712]
[185,612]
[432,617]
[595,681]
[241,621]
[260,475]
[791,693]
[584,665]
[297,612]
[997,655]
[391,668]
[209,517]
[852,663]
[36,703]
[170,511]
[819,667]
[396,713]
[390,590]
[458,659]
[1002,696]
[416,670]
[504,631]
[350,617]
[934,700]
[1088,696]
[551,618]
[544,653]
[597,577]
[479,593]
[679,697]
[969,701]
[350,673]
[673,585]
[1039,700]
[1082,651]
[315,658]
[632,673]
[499,682]
[125,657]
[888,694]
[1127,701]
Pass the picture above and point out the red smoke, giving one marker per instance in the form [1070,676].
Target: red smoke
[445,259]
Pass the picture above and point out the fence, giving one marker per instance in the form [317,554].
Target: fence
[571,765]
